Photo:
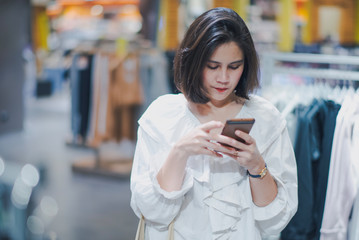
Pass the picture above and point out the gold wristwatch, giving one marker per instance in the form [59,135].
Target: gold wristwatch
[261,174]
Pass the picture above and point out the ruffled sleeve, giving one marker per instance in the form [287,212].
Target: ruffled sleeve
[158,206]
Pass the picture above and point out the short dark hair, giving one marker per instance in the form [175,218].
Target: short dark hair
[210,30]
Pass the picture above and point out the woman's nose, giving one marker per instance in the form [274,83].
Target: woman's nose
[223,76]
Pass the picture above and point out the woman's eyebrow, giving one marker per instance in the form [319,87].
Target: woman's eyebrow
[238,61]
[212,61]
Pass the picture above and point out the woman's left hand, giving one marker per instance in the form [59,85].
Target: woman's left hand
[247,153]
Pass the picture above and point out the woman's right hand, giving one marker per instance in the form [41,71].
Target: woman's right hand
[201,140]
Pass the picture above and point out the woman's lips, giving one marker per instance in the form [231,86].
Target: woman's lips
[221,89]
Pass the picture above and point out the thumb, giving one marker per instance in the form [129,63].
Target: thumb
[211,125]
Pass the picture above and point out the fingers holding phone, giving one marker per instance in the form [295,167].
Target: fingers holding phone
[235,147]
[245,147]
[244,125]
[238,131]
[200,140]
[244,137]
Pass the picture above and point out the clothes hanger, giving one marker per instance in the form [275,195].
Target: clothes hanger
[295,101]
[349,90]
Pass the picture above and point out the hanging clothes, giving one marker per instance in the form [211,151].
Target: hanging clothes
[344,169]
[313,143]
[126,88]
[99,100]
[353,232]
[81,83]
[109,92]
[154,76]
[126,94]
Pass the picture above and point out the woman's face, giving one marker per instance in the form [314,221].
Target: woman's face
[222,72]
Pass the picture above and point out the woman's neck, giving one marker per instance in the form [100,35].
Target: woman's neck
[219,112]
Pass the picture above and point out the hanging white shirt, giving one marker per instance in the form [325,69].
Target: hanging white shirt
[343,171]
[215,200]
[353,230]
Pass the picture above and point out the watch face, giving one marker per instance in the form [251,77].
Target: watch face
[263,173]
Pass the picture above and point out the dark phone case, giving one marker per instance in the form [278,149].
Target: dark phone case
[243,124]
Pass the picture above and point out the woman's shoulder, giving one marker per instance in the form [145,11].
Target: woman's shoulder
[262,105]
[165,106]
[269,122]
[164,115]
[169,99]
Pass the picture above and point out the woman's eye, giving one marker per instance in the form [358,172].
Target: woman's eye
[212,67]
[234,67]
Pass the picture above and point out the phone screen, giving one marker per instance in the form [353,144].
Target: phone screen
[243,124]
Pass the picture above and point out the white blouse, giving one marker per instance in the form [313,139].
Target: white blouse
[215,201]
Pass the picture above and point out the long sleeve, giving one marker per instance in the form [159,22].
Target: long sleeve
[157,206]
[281,163]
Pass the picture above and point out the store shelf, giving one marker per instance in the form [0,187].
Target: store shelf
[97,2]
[314,58]
[97,165]
[319,73]
[310,65]
[115,169]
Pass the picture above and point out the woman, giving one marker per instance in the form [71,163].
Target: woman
[182,173]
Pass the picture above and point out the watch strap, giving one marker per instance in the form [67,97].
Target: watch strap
[261,174]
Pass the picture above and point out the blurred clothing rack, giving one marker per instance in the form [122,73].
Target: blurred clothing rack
[309,65]
[109,92]
[310,90]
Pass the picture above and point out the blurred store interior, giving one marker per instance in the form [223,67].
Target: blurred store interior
[75,76]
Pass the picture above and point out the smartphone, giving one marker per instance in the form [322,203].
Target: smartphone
[243,124]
